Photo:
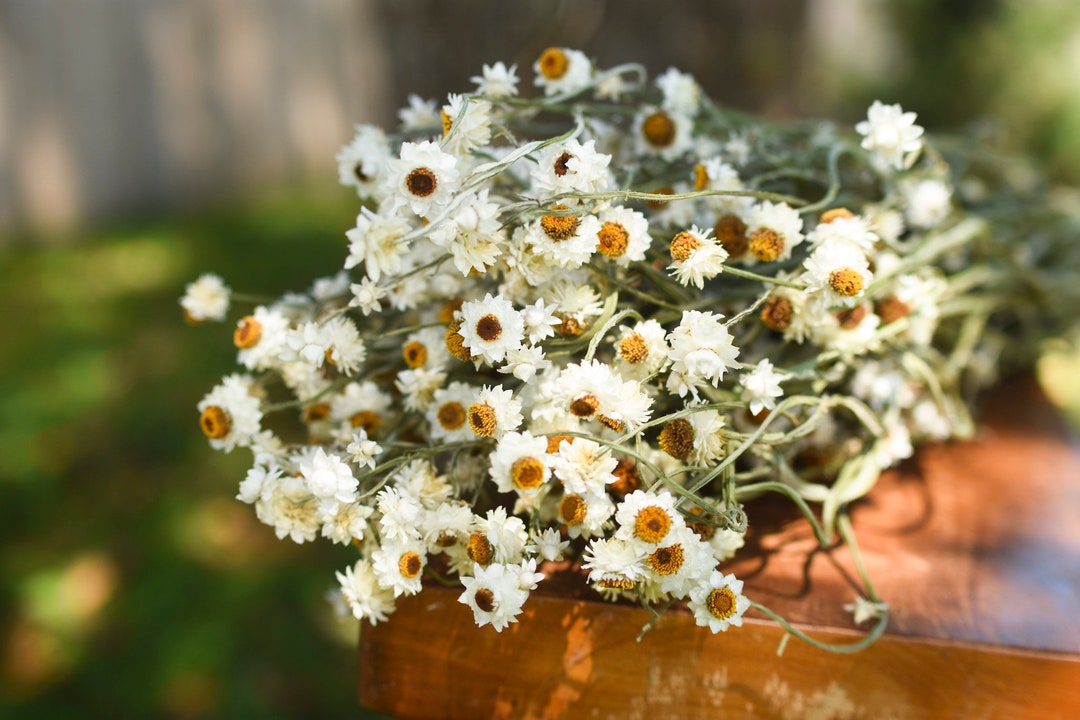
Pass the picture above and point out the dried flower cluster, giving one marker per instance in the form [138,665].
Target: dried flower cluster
[589,325]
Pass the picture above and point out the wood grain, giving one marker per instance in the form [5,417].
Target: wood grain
[975,545]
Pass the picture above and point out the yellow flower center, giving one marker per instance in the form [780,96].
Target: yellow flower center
[659,129]
[409,564]
[447,122]
[766,244]
[316,412]
[585,406]
[721,603]
[455,343]
[677,438]
[611,423]
[451,415]
[421,182]
[482,419]
[553,63]
[633,348]
[488,328]
[215,422]
[683,246]
[835,214]
[367,420]
[479,549]
[572,509]
[415,354]
[612,239]
[846,282]
[247,334]
[667,560]
[652,524]
[701,177]
[559,227]
[616,583]
[527,473]
[570,326]
[451,306]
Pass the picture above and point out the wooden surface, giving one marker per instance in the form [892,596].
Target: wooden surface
[976,547]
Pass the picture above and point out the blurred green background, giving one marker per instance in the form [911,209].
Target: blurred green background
[132,583]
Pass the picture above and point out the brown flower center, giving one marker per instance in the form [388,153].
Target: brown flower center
[421,182]
[776,313]
[451,415]
[612,239]
[659,129]
[683,246]
[409,564]
[215,422]
[316,412]
[627,478]
[527,473]
[891,309]
[658,204]
[560,167]
[554,441]
[677,438]
[247,333]
[585,406]
[488,328]
[553,63]
[846,282]
[730,232]
[358,172]
[482,419]
[766,244]
[611,423]
[484,599]
[849,319]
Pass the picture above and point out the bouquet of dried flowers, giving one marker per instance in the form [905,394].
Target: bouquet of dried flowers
[588,325]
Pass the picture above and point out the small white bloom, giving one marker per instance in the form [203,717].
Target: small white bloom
[681,92]
[520,463]
[206,299]
[365,597]
[447,414]
[399,565]
[863,609]
[718,603]
[491,327]
[584,466]
[562,71]
[424,178]
[497,80]
[231,414]
[362,163]
[697,257]
[466,124]
[761,386]
[420,114]
[401,512]
[494,594]
[418,387]
[926,202]
[347,524]
[891,134]
[570,167]
[363,451]
[614,563]
[701,352]
[641,350]
[548,544]
[329,479]
[837,273]
[495,412]
[367,295]
[376,242]
[648,518]
[774,230]
[664,133]
[623,236]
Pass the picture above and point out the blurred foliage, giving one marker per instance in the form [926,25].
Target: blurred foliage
[133,583]
[1005,69]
